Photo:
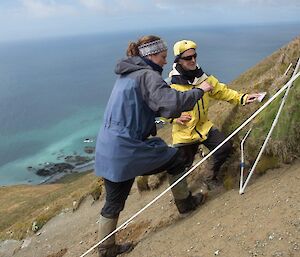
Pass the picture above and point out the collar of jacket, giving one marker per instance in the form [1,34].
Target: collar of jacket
[180,76]
[153,65]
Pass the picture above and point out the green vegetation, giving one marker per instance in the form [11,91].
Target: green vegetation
[284,142]
[283,145]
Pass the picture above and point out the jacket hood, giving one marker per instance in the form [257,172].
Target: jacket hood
[131,64]
[175,72]
[178,78]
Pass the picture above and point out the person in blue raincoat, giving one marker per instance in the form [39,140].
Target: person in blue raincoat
[126,144]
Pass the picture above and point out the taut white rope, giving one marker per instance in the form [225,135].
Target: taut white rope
[242,189]
[196,165]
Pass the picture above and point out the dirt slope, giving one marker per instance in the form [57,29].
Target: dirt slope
[265,221]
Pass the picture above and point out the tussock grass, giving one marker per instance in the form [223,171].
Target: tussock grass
[285,139]
[284,144]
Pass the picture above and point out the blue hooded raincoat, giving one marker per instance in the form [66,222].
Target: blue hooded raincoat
[124,149]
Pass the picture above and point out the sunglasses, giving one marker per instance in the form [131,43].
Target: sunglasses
[189,58]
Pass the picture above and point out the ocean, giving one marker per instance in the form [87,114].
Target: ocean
[53,92]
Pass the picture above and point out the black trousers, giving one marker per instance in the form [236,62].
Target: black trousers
[214,138]
[117,192]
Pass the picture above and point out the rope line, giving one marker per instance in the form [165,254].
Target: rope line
[196,165]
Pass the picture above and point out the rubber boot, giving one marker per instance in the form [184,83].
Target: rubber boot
[211,177]
[184,200]
[109,248]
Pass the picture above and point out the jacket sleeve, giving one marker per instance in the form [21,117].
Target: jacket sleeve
[222,92]
[164,100]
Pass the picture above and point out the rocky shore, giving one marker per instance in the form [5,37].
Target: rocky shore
[52,171]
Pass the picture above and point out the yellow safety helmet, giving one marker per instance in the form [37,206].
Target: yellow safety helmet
[182,46]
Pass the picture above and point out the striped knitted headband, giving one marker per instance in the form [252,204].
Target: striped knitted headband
[153,47]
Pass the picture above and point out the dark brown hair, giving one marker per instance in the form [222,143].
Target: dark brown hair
[133,50]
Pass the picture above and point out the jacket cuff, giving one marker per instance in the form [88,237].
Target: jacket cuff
[201,91]
[244,99]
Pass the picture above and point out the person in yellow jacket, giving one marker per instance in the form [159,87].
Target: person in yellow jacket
[193,128]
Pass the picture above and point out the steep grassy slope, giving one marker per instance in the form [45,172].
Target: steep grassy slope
[265,76]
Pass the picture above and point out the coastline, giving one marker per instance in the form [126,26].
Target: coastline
[86,167]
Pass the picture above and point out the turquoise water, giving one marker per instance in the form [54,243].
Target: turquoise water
[53,92]
[61,139]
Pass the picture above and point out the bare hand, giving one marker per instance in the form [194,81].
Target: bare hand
[185,117]
[251,98]
[205,86]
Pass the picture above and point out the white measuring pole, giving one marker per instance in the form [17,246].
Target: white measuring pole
[242,159]
[242,189]
[196,165]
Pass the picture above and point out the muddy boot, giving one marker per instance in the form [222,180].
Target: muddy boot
[184,200]
[190,203]
[109,248]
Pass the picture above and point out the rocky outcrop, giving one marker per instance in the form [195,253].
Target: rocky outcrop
[77,159]
[52,169]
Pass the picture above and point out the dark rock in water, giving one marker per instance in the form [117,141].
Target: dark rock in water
[70,162]
[55,168]
[62,166]
[89,149]
[44,172]
[77,159]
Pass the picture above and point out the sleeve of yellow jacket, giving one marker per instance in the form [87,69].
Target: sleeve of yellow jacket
[222,92]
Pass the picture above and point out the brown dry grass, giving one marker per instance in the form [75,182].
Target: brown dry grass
[23,205]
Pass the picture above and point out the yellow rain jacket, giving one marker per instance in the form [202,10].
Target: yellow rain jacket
[197,128]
